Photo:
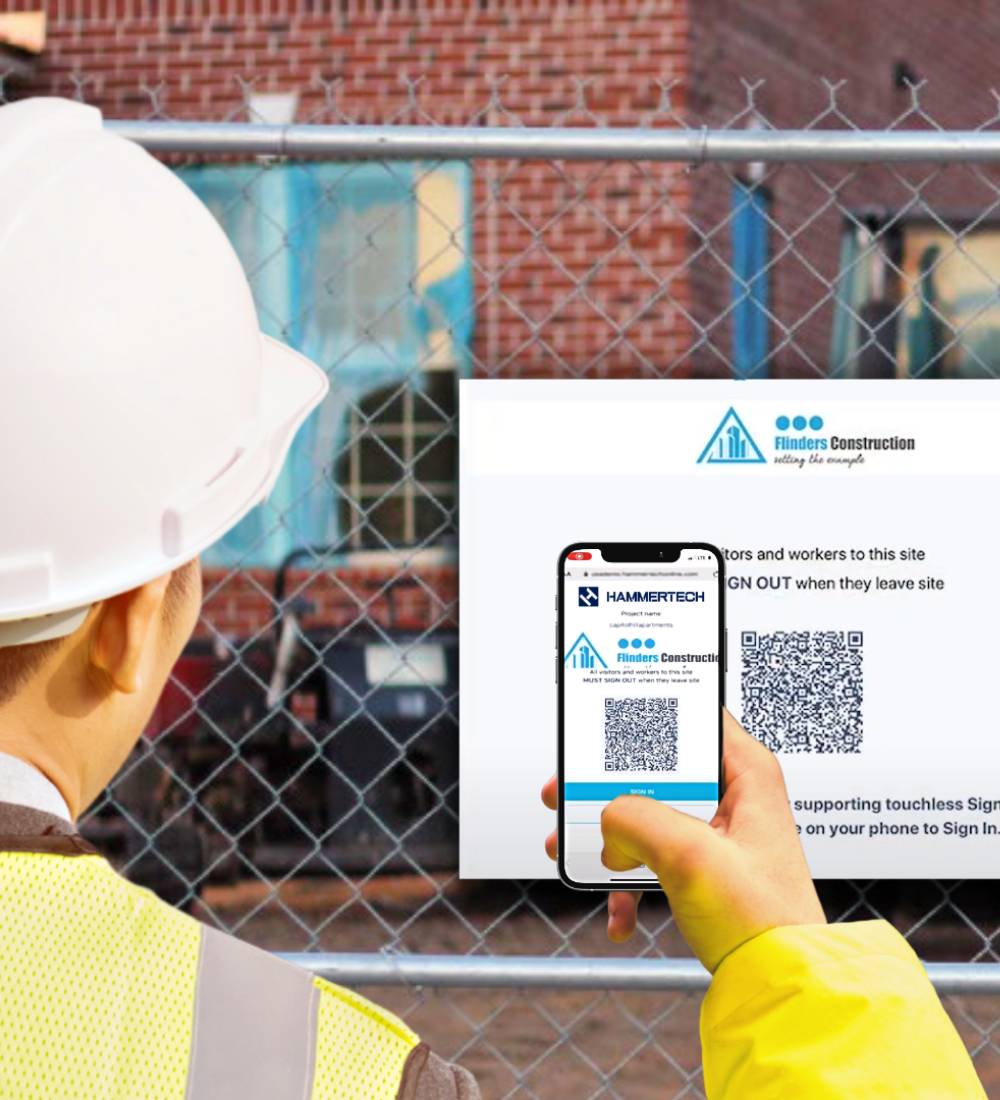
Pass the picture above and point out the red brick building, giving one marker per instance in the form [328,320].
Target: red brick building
[578,270]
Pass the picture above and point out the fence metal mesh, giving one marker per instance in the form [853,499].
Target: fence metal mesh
[299,787]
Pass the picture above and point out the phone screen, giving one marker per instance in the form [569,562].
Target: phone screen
[641,666]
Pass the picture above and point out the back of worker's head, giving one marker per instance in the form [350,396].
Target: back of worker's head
[74,706]
[21,664]
[143,412]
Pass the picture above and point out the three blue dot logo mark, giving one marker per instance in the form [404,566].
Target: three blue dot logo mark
[636,643]
[783,423]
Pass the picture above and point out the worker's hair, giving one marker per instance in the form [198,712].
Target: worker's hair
[19,663]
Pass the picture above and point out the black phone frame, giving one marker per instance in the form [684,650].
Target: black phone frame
[632,553]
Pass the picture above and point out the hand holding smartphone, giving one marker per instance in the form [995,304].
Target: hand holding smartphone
[641,678]
[727,881]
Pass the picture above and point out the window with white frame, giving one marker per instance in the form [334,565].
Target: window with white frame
[397,474]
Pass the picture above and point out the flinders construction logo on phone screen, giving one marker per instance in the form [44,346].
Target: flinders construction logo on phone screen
[584,654]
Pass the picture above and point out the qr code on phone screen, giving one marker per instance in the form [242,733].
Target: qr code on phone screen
[640,735]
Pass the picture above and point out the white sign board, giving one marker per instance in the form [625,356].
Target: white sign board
[859,521]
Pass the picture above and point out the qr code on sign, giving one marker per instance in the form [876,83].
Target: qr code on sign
[803,690]
[640,735]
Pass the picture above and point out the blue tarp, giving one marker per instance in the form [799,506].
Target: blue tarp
[331,252]
[750,282]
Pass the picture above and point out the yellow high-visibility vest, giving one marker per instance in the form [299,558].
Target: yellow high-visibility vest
[108,993]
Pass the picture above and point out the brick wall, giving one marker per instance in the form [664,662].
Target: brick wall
[580,270]
[558,289]
[555,287]
[240,605]
[792,46]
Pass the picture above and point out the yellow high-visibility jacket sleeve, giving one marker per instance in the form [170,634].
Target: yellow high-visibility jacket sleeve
[830,1012]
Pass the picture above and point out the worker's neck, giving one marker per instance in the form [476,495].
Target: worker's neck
[77,738]
[44,755]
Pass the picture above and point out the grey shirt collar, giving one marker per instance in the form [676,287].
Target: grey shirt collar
[25,785]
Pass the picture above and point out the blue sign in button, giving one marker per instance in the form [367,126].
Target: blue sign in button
[663,792]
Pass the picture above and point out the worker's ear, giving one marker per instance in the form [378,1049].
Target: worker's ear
[122,630]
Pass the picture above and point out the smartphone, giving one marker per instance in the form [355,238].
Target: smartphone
[640,668]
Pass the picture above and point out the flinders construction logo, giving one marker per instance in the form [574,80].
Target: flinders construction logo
[731,444]
[799,441]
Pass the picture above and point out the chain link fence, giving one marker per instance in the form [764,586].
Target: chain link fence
[298,786]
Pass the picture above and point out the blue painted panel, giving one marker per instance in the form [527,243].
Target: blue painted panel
[750,282]
[331,253]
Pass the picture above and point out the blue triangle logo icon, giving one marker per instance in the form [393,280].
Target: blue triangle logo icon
[731,443]
[583,653]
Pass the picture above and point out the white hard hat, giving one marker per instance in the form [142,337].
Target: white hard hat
[142,411]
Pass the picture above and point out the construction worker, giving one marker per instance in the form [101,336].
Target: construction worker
[797,1008]
[142,414]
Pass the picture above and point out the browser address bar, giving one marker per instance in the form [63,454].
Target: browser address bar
[689,574]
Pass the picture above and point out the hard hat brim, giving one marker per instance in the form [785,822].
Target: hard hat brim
[291,387]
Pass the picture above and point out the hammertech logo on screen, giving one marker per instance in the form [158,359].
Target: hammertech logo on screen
[589,595]
[798,441]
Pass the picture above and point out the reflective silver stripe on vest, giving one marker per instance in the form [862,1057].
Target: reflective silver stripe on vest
[255,1020]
